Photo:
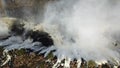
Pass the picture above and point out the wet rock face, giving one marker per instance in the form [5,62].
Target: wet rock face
[40,36]
[37,36]
[17,28]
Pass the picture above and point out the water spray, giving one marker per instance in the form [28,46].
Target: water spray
[87,29]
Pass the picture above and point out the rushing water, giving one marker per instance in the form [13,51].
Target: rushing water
[86,29]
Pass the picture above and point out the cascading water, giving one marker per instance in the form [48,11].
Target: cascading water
[86,29]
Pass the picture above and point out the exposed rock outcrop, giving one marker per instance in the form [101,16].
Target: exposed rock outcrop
[40,36]
[17,27]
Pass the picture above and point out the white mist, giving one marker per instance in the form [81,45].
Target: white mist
[84,29]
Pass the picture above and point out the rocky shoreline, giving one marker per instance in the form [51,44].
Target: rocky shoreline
[25,58]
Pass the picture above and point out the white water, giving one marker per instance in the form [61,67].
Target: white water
[86,29]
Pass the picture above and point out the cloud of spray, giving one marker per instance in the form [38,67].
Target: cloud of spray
[86,29]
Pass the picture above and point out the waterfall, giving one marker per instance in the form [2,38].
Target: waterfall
[87,29]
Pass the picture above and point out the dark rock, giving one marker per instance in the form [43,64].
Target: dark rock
[29,50]
[40,36]
[17,27]
[10,64]
[106,65]
[118,66]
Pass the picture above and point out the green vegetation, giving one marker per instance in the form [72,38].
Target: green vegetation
[91,64]
[50,56]
[20,52]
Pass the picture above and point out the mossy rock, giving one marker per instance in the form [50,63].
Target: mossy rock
[1,50]
[50,56]
[42,64]
[91,64]
[20,52]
